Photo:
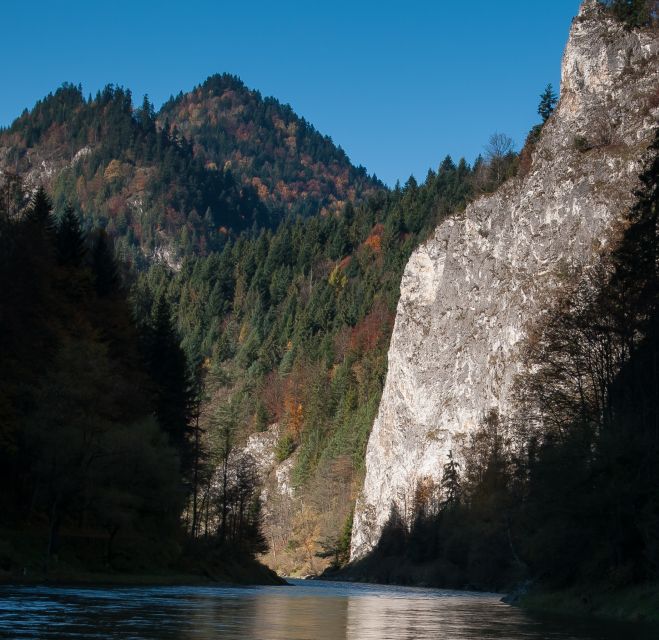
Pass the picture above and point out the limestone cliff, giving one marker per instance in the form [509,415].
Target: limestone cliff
[469,293]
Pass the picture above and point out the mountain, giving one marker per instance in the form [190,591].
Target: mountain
[265,144]
[307,311]
[471,293]
[284,316]
[213,162]
[288,330]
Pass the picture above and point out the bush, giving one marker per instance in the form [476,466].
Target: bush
[581,144]
[634,13]
[285,447]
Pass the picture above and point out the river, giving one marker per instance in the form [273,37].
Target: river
[308,610]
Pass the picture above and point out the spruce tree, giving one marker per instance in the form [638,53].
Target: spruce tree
[451,481]
[104,266]
[169,372]
[548,100]
[70,239]
[40,211]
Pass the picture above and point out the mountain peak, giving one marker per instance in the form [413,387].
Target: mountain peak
[264,142]
[216,160]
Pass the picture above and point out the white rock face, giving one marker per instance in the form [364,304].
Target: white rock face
[275,476]
[468,293]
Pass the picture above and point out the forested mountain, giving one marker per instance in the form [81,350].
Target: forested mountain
[141,183]
[283,317]
[291,327]
[267,146]
[214,162]
[228,354]
[248,240]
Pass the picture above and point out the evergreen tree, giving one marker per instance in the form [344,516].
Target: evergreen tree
[40,211]
[548,100]
[70,239]
[169,371]
[104,266]
[450,483]
[146,115]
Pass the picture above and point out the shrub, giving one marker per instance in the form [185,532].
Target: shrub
[285,447]
[634,13]
[581,144]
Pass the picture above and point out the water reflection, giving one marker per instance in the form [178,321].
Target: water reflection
[307,611]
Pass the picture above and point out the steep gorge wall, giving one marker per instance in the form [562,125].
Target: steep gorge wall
[469,292]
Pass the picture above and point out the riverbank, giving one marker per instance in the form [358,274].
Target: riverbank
[229,573]
[632,604]
[399,570]
[82,560]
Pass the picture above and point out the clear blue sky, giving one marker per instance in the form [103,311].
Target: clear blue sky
[397,84]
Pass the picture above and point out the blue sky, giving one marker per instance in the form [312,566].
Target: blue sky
[397,84]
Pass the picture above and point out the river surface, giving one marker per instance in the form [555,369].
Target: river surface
[305,611]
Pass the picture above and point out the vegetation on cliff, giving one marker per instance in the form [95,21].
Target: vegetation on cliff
[292,326]
[563,490]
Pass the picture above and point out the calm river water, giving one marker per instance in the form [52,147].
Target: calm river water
[308,610]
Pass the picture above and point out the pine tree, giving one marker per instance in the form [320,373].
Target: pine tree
[169,371]
[104,266]
[40,211]
[70,239]
[548,100]
[451,481]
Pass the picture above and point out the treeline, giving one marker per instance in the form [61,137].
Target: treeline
[563,490]
[97,430]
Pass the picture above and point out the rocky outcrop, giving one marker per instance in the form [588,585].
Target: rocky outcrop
[469,293]
[275,475]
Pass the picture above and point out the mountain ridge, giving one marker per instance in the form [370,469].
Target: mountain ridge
[160,195]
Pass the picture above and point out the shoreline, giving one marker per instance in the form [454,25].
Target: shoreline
[632,604]
[639,603]
[236,576]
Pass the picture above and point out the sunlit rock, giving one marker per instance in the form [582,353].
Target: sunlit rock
[469,292]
